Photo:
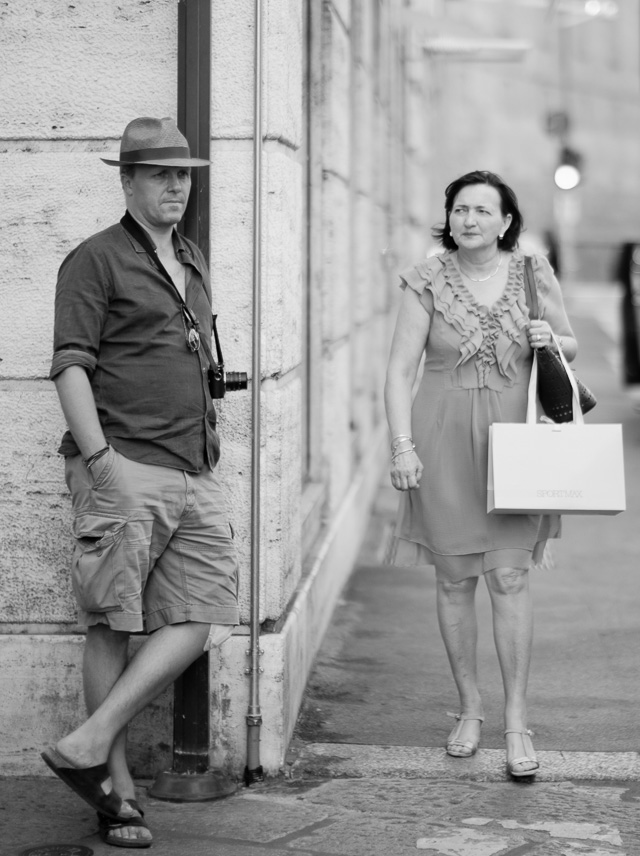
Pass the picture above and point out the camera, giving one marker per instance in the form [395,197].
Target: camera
[221,381]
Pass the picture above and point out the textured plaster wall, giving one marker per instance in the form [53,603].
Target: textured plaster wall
[232,272]
[68,73]
[74,68]
[34,544]
[72,76]
[42,698]
[83,69]
[368,211]
[336,227]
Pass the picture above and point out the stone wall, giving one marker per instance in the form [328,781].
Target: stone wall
[343,178]
[72,77]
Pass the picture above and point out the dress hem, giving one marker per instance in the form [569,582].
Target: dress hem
[409,554]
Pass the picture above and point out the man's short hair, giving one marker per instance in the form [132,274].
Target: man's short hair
[128,169]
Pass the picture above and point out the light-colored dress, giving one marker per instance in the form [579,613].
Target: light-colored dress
[476,372]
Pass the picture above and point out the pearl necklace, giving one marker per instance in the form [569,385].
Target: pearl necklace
[484,278]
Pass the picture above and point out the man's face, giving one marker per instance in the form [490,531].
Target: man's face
[157,195]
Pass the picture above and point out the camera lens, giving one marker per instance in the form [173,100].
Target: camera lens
[236,380]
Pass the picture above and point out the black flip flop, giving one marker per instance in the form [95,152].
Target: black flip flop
[86,782]
[107,824]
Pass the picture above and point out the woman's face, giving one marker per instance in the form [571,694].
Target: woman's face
[476,220]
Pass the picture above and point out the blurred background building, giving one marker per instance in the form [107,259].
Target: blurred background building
[370,108]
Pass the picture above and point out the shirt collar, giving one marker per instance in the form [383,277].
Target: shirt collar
[133,227]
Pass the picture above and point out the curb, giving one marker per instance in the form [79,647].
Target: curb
[355,761]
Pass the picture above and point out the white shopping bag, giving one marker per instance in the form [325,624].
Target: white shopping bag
[565,468]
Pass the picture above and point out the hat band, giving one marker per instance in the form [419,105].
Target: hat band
[138,155]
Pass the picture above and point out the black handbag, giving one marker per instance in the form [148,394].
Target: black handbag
[554,388]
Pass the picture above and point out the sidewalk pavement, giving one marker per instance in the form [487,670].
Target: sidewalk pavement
[367,773]
[368,816]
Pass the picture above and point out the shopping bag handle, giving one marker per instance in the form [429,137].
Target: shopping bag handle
[532,409]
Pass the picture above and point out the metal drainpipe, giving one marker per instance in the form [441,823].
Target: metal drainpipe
[253,770]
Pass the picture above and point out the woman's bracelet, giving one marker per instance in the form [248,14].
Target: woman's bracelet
[399,440]
[396,451]
[95,457]
[404,452]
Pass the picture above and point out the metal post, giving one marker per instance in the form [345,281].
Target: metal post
[190,778]
[253,771]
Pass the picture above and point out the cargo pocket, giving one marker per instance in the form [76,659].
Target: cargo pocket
[97,570]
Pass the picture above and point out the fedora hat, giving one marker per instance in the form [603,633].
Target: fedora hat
[155,142]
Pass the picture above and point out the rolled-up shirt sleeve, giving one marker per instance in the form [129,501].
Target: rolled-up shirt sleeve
[81,309]
[71,357]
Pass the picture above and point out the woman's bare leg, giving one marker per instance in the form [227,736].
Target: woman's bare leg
[459,629]
[513,634]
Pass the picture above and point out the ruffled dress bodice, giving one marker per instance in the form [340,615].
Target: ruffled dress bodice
[487,341]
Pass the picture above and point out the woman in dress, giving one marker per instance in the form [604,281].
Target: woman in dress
[465,309]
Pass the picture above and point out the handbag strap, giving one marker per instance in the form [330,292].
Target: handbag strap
[531,295]
[532,394]
[530,290]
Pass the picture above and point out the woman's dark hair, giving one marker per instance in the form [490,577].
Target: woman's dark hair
[508,205]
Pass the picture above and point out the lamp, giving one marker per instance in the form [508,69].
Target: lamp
[568,172]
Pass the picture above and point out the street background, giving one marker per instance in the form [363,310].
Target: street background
[367,773]
[368,109]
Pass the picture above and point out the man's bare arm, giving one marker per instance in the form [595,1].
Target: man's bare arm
[79,408]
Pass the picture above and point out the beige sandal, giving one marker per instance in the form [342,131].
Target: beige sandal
[529,758]
[456,747]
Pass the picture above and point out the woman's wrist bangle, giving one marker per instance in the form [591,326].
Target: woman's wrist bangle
[95,457]
[399,440]
[404,452]
[409,445]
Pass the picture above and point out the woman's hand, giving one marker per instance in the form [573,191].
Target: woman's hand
[406,470]
[540,334]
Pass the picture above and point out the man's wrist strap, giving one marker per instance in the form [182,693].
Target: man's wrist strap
[96,456]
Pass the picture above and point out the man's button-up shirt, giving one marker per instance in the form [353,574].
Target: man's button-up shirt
[119,318]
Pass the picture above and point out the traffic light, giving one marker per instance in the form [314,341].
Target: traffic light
[569,170]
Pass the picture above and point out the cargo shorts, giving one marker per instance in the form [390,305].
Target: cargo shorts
[153,545]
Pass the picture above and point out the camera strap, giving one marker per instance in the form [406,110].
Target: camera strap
[131,225]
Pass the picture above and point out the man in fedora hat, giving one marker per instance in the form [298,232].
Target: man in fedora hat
[153,546]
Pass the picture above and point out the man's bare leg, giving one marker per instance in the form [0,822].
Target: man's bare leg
[160,660]
[106,656]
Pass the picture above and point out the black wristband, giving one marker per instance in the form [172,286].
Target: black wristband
[96,456]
